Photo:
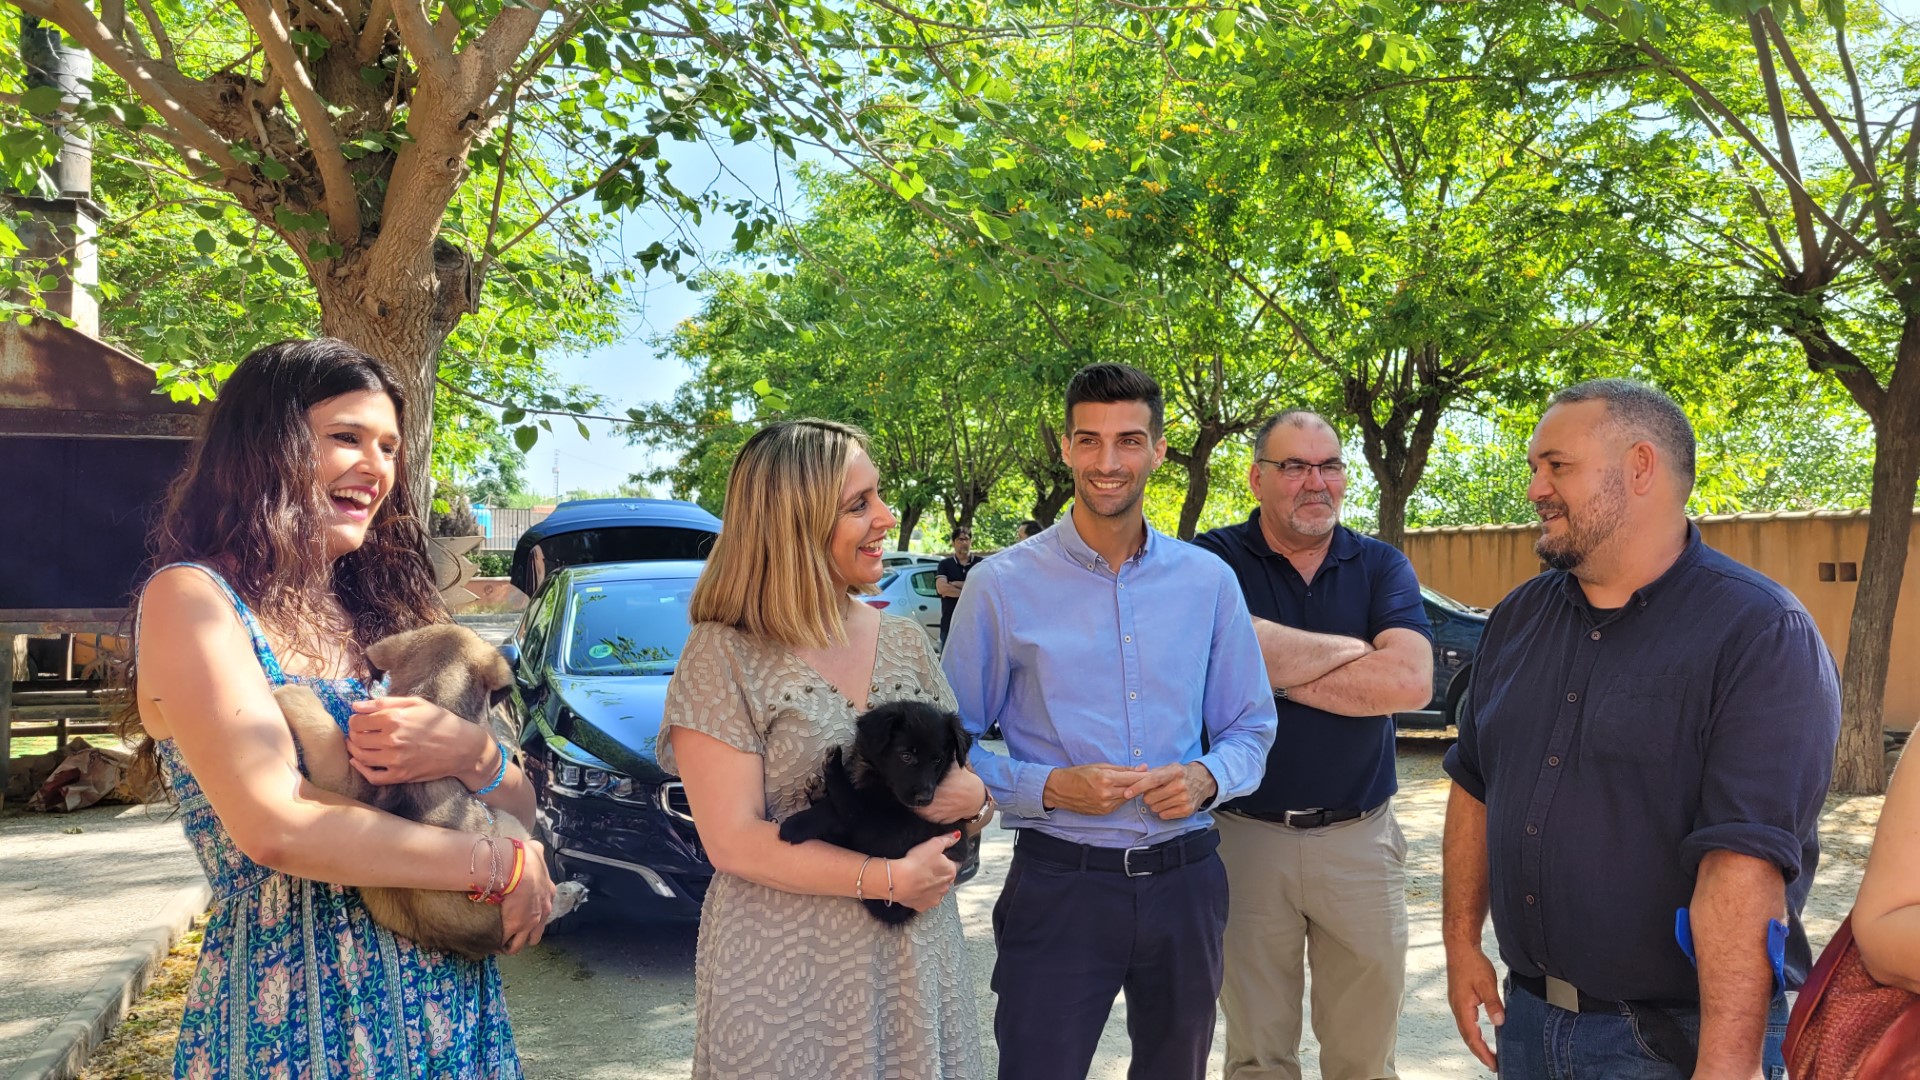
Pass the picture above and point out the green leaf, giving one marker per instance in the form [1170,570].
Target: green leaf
[42,99]
[281,266]
[511,415]
[1077,138]
[204,243]
[525,437]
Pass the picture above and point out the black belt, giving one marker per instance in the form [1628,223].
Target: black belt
[1658,1025]
[1303,819]
[1134,861]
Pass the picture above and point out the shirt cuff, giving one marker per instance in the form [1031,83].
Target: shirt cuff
[1465,777]
[1213,765]
[1767,843]
[1029,791]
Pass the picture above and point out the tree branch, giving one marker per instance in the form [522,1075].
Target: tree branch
[627,421]
[373,36]
[1799,199]
[416,33]
[337,188]
[160,38]
[1863,175]
[160,86]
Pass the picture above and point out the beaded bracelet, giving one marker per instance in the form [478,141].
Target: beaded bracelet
[498,776]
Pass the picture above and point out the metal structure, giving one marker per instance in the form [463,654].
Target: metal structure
[88,449]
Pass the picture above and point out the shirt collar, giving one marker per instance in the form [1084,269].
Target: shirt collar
[1345,544]
[1689,555]
[1077,549]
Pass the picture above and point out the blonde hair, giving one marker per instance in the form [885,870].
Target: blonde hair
[769,573]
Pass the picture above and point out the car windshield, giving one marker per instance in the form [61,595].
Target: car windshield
[627,627]
[1443,602]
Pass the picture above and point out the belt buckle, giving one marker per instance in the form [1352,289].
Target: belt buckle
[1563,994]
[1290,814]
[1126,862]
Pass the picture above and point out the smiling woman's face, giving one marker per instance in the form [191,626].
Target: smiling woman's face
[356,448]
[860,527]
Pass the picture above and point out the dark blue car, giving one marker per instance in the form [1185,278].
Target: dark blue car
[1456,637]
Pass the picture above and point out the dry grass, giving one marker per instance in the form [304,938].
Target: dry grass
[141,1048]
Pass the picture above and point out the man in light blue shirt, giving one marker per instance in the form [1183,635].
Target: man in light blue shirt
[1123,669]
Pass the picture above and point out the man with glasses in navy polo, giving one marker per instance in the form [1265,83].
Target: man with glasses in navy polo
[1316,860]
[1122,667]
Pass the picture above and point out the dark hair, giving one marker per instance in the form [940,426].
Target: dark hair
[960,532]
[1292,418]
[1031,526]
[1644,413]
[1104,384]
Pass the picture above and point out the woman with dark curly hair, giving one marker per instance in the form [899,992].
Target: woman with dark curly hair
[285,549]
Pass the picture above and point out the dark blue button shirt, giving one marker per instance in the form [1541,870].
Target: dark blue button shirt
[1614,749]
[1362,589]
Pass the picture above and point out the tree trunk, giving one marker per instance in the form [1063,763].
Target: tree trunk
[909,521]
[1050,501]
[1393,513]
[1859,766]
[1199,465]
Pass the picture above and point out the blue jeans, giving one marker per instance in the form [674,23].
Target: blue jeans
[1543,1042]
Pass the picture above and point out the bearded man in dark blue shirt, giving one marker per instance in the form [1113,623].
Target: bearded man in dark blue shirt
[1643,756]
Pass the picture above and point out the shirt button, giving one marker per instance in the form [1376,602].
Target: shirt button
[1595,635]
[1532,900]
[1131,695]
[1123,584]
[1571,696]
[1533,830]
[1136,751]
[1128,637]
[1554,761]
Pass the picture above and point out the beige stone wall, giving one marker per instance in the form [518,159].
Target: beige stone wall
[1817,555]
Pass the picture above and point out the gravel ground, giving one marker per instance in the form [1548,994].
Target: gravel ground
[615,1000]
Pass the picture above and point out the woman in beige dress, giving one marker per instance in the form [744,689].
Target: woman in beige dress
[793,977]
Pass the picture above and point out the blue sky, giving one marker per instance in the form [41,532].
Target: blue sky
[630,372]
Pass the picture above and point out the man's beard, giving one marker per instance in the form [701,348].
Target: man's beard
[1130,496]
[1595,525]
[1301,525]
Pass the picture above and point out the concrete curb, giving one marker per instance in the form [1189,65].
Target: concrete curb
[63,1053]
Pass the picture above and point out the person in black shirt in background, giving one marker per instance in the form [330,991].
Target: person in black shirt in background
[1650,728]
[951,576]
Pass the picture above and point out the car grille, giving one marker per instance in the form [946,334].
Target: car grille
[673,799]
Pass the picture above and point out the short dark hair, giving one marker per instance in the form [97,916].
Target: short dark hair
[960,532]
[1644,413]
[1032,527]
[1105,384]
[1290,418]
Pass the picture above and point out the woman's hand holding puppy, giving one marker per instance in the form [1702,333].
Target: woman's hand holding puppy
[921,880]
[524,912]
[397,740]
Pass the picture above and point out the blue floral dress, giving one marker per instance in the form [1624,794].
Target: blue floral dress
[297,982]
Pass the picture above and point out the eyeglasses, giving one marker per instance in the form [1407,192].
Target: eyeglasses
[1330,470]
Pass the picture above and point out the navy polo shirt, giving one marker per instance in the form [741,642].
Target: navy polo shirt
[1363,588]
[1614,749]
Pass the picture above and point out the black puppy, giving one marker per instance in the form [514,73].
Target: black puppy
[901,751]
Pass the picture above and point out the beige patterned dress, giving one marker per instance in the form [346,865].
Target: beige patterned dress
[787,985]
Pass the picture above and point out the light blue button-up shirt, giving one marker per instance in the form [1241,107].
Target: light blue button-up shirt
[1080,665]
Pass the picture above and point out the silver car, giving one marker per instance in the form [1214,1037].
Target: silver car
[908,590]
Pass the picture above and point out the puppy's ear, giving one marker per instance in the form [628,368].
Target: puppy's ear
[962,742]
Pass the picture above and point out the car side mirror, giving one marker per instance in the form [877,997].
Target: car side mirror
[511,653]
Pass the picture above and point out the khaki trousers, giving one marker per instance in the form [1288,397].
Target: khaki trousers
[1334,898]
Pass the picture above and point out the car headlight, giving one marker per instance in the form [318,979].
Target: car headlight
[580,774]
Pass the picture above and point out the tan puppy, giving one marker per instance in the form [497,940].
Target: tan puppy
[451,667]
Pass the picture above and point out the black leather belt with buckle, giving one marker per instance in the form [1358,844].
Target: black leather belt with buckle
[1134,861]
[1304,819]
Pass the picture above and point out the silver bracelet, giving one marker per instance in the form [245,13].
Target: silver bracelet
[888,863]
[859,891]
[986,811]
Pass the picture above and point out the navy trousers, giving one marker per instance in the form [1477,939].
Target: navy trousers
[1072,940]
